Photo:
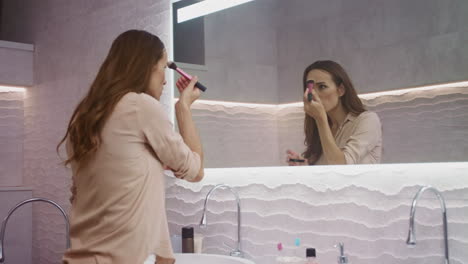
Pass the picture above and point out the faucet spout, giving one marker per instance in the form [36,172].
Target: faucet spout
[411,240]
[342,259]
[203,222]
[5,221]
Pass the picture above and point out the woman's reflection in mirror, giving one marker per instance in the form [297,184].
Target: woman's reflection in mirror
[338,128]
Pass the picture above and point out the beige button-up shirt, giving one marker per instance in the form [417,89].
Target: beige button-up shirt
[360,139]
[118,215]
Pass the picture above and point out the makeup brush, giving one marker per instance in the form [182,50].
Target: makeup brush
[310,86]
[173,66]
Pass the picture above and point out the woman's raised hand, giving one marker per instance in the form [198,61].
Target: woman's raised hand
[188,92]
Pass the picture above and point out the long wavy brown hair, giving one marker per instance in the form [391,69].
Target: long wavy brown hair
[350,102]
[127,68]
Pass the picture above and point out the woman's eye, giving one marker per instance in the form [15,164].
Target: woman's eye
[322,86]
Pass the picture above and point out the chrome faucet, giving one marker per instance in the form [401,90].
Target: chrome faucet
[238,251]
[342,259]
[411,240]
[5,221]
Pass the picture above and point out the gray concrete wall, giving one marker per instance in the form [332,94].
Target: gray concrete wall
[383,45]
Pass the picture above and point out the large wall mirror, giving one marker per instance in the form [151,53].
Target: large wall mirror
[252,57]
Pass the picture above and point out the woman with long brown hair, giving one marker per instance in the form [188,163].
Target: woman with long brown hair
[118,141]
[338,129]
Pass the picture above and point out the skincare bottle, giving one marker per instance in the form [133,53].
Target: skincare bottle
[310,256]
[198,243]
[187,240]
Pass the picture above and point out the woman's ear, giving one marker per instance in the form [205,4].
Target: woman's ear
[341,90]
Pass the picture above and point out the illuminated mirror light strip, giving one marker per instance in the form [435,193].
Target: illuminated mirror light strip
[206,7]
[6,89]
[367,96]
[230,104]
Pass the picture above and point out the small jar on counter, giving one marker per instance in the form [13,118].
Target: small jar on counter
[187,240]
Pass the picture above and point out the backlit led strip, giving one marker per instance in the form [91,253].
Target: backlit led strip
[234,104]
[206,7]
[5,89]
[367,96]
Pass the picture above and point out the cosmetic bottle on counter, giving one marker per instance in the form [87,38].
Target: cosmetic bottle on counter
[198,243]
[187,240]
[310,255]
[176,241]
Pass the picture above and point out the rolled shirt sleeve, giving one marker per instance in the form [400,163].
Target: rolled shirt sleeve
[168,145]
[366,136]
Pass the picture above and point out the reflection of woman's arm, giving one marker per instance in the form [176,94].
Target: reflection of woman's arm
[365,138]
[332,152]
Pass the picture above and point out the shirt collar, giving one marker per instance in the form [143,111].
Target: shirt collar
[351,117]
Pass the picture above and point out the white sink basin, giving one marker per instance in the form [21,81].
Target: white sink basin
[209,259]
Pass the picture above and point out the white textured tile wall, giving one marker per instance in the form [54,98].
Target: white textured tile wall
[366,207]
[429,126]
[237,136]
[16,69]
[11,138]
